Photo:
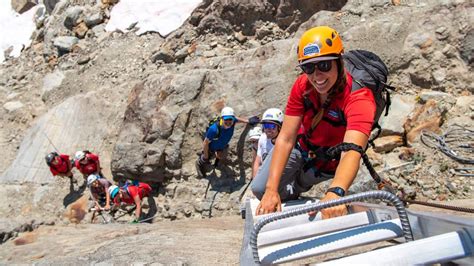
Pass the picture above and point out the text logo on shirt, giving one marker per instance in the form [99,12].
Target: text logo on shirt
[333,114]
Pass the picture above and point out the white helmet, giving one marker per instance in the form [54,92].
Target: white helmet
[91,179]
[255,132]
[227,111]
[273,115]
[113,190]
[79,155]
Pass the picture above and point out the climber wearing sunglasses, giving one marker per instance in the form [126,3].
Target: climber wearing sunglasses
[322,111]
[272,120]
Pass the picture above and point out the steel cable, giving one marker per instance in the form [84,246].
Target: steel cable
[457,143]
[438,205]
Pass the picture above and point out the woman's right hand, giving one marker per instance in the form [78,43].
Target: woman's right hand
[270,203]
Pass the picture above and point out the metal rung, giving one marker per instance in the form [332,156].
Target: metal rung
[435,249]
[294,250]
[311,228]
[292,221]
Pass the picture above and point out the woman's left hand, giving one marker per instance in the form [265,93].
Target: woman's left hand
[339,210]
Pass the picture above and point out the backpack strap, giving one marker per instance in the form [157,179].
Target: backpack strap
[218,124]
[356,85]
[308,104]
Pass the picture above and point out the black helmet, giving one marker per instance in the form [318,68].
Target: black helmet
[50,157]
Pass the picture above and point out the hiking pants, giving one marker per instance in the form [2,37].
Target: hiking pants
[293,180]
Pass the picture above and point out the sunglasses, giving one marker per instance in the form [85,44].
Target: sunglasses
[269,126]
[323,66]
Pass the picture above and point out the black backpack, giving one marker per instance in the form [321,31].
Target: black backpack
[368,70]
[214,120]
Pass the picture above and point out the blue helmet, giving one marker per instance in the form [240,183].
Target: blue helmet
[113,190]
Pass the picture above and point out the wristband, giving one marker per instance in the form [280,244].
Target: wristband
[337,190]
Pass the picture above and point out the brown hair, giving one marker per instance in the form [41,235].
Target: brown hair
[337,88]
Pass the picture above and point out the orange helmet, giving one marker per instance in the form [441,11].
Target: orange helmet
[319,43]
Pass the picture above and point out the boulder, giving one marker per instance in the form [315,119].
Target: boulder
[437,96]
[428,116]
[21,6]
[13,106]
[93,20]
[73,16]
[387,143]
[80,30]
[164,55]
[400,109]
[245,16]
[65,43]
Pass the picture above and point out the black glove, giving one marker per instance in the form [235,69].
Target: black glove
[254,120]
[202,160]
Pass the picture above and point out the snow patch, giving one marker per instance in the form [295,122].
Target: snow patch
[15,29]
[162,16]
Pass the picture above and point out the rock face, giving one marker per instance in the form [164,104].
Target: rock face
[69,127]
[249,16]
[171,109]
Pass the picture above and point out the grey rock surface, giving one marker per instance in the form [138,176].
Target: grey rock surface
[65,43]
[73,121]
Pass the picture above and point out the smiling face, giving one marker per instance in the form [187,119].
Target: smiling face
[271,130]
[122,194]
[55,161]
[323,81]
[228,123]
[84,160]
[96,184]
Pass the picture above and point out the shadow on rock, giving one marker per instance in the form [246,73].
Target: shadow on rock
[78,210]
[240,153]
[151,211]
[73,194]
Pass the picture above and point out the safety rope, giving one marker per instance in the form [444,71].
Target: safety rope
[457,143]
[438,205]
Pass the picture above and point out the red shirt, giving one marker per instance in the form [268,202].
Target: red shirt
[142,190]
[90,167]
[358,108]
[62,167]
